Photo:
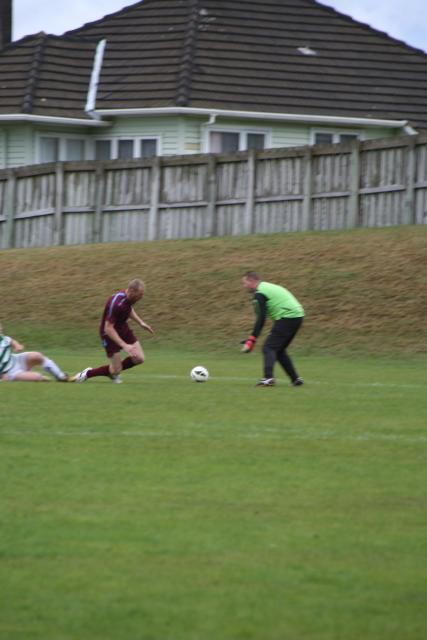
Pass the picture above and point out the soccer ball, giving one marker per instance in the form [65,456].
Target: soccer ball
[199,374]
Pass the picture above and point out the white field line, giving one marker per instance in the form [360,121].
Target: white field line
[392,385]
[286,434]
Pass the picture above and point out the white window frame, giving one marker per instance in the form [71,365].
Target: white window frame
[335,134]
[62,145]
[137,144]
[243,133]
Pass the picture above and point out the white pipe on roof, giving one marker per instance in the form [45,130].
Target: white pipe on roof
[94,79]
[257,115]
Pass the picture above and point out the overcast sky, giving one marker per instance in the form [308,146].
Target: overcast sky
[402,19]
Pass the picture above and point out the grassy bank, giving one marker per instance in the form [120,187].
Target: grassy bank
[363,291]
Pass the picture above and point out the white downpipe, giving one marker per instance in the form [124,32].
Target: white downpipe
[410,131]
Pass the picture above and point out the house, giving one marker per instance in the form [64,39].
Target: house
[165,77]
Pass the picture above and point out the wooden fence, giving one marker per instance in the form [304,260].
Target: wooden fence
[357,184]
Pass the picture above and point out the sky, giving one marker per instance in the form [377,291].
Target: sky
[402,19]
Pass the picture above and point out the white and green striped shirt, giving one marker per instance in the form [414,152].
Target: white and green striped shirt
[6,355]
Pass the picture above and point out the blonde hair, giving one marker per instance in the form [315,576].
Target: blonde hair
[136,284]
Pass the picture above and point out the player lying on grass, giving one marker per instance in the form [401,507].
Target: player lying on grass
[287,314]
[116,335]
[16,365]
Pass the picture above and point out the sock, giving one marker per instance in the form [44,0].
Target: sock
[127,363]
[52,368]
[100,371]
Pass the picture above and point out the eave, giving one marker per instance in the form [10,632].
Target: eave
[212,114]
[35,119]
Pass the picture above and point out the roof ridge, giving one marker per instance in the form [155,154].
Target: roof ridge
[28,99]
[88,25]
[360,23]
[185,73]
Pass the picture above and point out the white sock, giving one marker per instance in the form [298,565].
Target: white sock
[52,368]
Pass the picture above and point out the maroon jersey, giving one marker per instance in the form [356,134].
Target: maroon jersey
[117,311]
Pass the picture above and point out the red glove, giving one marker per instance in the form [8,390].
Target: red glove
[248,345]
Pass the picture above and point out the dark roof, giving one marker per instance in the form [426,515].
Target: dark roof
[46,75]
[222,54]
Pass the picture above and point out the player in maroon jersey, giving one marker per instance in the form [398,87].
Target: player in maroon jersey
[116,335]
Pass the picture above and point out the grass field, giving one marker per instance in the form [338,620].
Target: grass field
[161,509]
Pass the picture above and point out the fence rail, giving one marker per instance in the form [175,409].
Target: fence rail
[356,184]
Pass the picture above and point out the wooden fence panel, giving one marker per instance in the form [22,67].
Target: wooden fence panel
[373,184]
[3,212]
[184,183]
[78,228]
[330,213]
[230,219]
[79,189]
[180,223]
[383,186]
[232,180]
[125,226]
[420,185]
[35,193]
[34,231]
[278,217]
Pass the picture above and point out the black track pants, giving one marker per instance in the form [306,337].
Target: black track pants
[281,335]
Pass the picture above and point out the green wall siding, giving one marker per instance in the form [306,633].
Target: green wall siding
[15,145]
[178,135]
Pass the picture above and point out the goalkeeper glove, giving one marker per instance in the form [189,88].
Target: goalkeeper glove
[248,344]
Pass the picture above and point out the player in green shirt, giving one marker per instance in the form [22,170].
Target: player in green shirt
[287,314]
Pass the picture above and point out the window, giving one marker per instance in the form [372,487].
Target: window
[323,138]
[53,148]
[230,141]
[346,137]
[125,150]
[255,141]
[330,137]
[48,149]
[74,149]
[102,149]
[148,148]
[224,142]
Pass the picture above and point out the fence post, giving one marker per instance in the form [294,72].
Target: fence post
[99,197]
[307,217]
[211,210]
[58,228]
[9,209]
[353,204]
[153,225]
[250,199]
[409,211]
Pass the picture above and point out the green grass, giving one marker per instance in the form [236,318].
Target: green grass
[161,509]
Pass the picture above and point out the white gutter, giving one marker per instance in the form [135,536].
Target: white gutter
[256,115]
[94,80]
[25,117]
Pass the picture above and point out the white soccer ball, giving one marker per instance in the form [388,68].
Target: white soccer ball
[199,374]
